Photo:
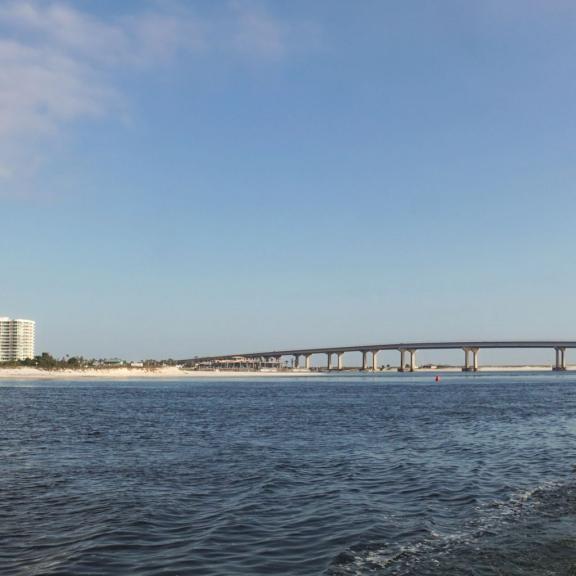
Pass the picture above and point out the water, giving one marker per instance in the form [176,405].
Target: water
[388,475]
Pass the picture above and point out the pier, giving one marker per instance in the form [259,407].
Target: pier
[302,358]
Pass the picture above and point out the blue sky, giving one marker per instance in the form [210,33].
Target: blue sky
[181,178]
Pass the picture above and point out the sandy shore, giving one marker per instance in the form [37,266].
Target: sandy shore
[166,372]
[173,372]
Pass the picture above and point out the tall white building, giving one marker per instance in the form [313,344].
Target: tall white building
[16,339]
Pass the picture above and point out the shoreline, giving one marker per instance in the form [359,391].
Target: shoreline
[167,372]
[173,372]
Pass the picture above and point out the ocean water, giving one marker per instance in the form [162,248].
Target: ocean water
[383,475]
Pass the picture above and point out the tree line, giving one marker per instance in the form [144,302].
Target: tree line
[46,361]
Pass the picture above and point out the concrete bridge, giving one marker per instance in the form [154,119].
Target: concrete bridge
[303,357]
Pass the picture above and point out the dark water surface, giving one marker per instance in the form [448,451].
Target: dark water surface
[336,476]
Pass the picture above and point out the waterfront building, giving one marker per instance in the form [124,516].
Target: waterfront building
[239,363]
[16,339]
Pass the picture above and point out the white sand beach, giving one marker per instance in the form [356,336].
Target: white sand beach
[165,372]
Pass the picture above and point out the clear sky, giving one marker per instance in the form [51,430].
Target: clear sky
[191,177]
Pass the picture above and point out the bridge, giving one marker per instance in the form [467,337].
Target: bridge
[302,358]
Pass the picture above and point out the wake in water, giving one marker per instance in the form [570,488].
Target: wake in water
[532,533]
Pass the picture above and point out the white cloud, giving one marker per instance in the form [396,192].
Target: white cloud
[58,26]
[256,32]
[57,63]
[40,88]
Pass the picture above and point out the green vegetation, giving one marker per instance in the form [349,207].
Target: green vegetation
[46,361]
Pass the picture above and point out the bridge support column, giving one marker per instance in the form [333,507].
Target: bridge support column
[466,367]
[364,360]
[308,358]
[374,360]
[328,360]
[340,360]
[402,360]
[475,359]
[470,364]
[413,366]
[560,360]
[296,360]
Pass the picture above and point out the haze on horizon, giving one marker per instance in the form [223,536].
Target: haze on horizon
[182,178]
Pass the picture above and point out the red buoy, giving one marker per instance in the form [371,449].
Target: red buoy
[437,379]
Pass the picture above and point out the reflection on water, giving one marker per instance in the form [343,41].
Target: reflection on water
[393,474]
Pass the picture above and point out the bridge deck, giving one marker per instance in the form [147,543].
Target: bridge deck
[455,345]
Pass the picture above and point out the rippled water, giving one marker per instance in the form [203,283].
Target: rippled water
[388,475]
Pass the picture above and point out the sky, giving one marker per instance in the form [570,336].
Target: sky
[180,178]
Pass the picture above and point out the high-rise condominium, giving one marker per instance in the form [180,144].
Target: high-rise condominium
[16,339]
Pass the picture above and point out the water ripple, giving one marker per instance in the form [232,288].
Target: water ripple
[341,476]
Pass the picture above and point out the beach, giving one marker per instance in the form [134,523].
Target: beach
[165,372]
